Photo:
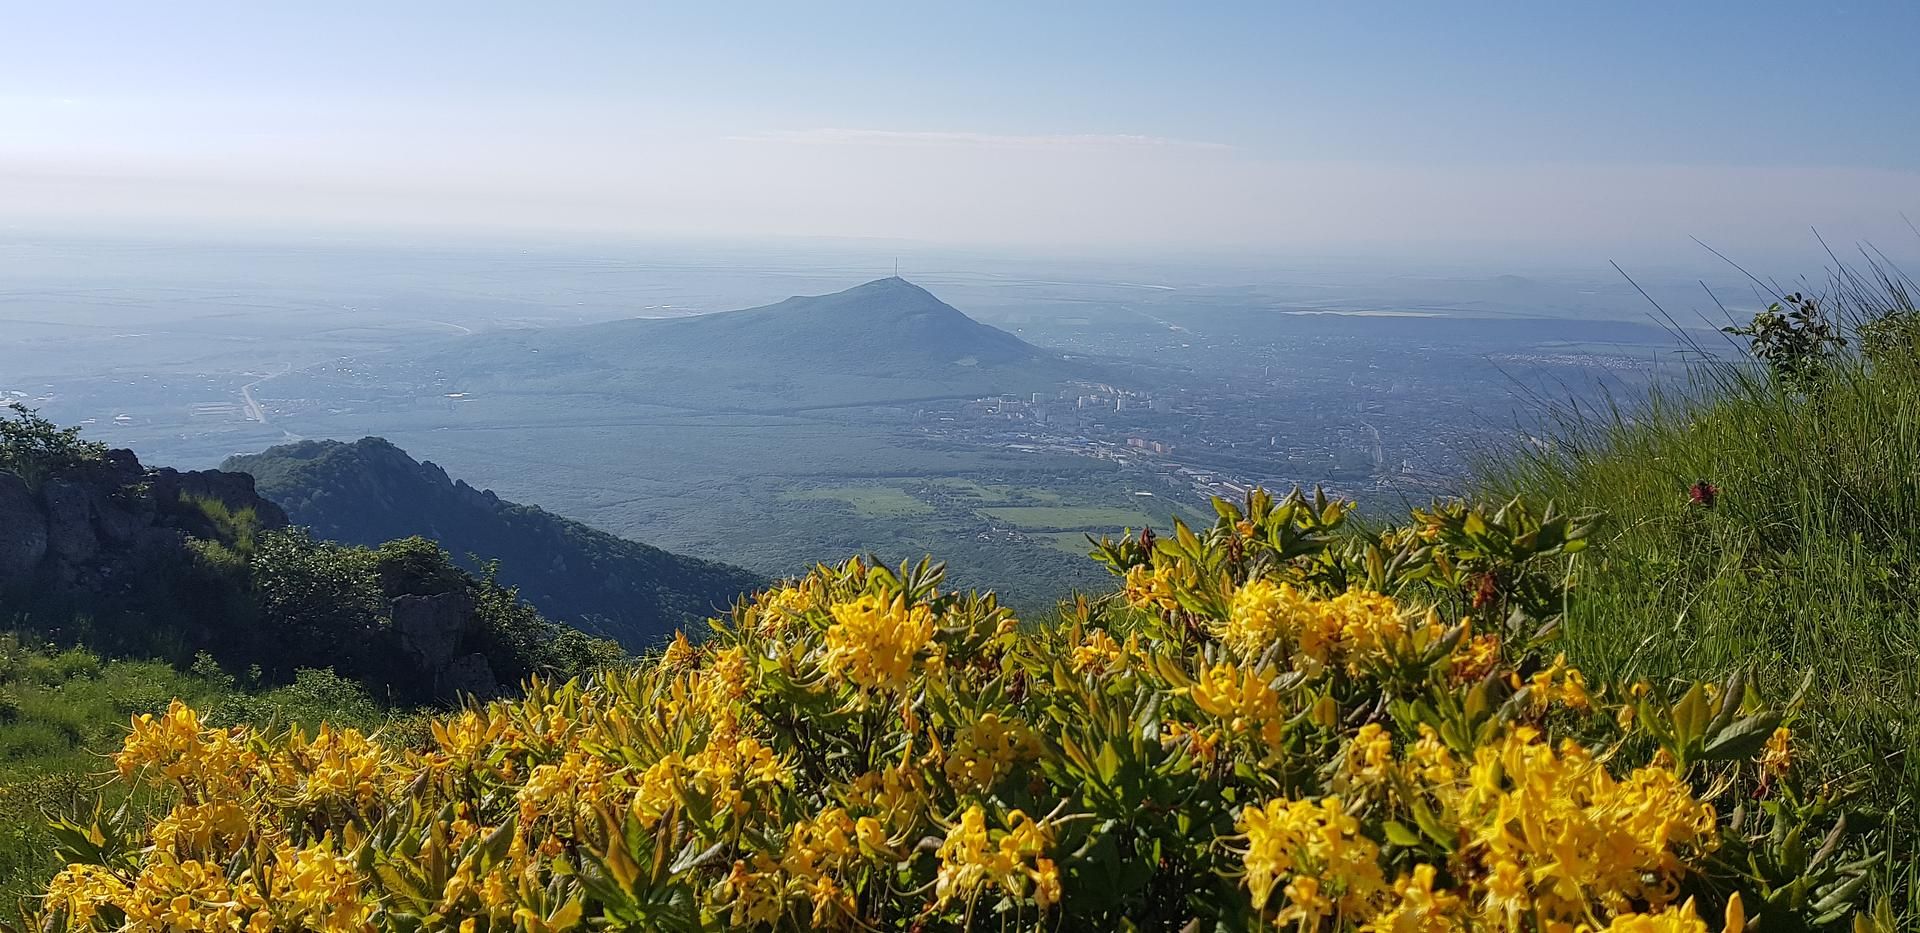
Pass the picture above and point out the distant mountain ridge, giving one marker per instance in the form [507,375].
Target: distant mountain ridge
[883,325]
[882,342]
[371,491]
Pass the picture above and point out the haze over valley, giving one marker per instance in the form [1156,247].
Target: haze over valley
[990,410]
[946,468]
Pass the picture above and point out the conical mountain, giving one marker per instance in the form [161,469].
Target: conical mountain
[872,327]
[887,341]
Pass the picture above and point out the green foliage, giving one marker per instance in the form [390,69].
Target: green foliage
[62,711]
[515,631]
[1799,564]
[1796,342]
[370,492]
[280,600]
[416,567]
[234,529]
[37,450]
[317,600]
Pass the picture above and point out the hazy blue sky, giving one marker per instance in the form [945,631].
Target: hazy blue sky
[1446,127]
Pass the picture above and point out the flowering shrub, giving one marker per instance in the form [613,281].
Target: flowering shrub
[1271,724]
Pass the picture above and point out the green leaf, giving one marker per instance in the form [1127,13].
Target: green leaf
[1398,834]
[1742,739]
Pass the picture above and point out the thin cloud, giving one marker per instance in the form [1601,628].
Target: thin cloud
[1072,141]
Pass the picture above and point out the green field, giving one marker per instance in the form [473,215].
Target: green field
[1068,542]
[1090,517]
[998,493]
[868,501]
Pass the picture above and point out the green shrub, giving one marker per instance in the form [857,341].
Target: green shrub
[37,450]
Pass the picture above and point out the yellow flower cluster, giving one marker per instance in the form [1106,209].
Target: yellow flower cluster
[1315,849]
[1210,745]
[874,643]
[1152,587]
[1350,627]
[986,750]
[1561,837]
[1243,700]
[1013,859]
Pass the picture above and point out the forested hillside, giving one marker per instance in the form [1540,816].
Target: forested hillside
[370,491]
[96,549]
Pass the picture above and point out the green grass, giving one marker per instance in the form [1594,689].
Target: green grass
[998,493]
[867,501]
[1807,565]
[1097,518]
[1069,542]
[63,714]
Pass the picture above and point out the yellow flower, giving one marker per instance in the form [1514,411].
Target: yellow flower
[1098,653]
[1577,838]
[754,896]
[871,833]
[1369,755]
[1560,682]
[1418,908]
[679,653]
[873,643]
[1680,919]
[1432,760]
[1260,614]
[1474,658]
[986,749]
[932,724]
[971,856]
[1046,883]
[1317,849]
[82,890]
[1244,701]
[1777,758]
[1152,588]
[1353,626]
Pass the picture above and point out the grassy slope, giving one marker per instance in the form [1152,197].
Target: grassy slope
[63,713]
[1804,567]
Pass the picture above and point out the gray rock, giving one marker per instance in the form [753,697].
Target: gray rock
[117,519]
[235,490]
[121,468]
[432,628]
[70,534]
[23,529]
[468,675]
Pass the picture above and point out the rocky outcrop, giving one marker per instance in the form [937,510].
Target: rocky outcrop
[234,490]
[73,533]
[69,515]
[468,675]
[437,631]
[23,530]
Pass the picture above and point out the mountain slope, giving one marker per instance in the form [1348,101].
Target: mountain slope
[371,491]
[886,341]
[885,326]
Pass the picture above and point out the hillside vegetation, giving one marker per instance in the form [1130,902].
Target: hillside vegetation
[370,491]
[64,713]
[1262,726]
[101,551]
[1667,686]
[1767,518]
